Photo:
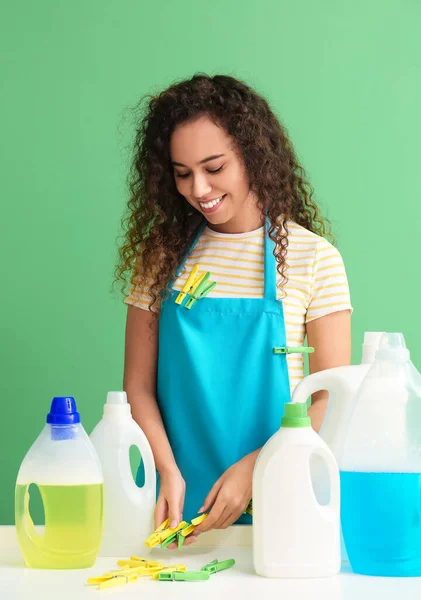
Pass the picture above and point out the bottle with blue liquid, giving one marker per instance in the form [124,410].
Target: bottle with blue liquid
[380,467]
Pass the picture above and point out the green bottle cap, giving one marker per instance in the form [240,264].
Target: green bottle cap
[295,415]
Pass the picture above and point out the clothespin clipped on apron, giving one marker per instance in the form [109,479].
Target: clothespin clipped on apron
[202,290]
[293,350]
[193,280]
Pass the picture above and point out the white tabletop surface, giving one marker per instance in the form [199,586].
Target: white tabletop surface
[20,583]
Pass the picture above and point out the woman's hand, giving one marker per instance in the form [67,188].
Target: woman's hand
[170,502]
[230,495]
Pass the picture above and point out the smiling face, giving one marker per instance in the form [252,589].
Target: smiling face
[212,177]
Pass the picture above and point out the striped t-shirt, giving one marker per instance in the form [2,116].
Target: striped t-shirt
[317,283]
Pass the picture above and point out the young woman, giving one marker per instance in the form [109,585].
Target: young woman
[215,183]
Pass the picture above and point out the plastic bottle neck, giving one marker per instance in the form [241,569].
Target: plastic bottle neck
[117,410]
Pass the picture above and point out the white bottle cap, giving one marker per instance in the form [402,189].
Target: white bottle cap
[370,345]
[117,404]
[392,346]
[116,398]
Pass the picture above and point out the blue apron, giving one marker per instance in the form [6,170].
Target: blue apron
[220,388]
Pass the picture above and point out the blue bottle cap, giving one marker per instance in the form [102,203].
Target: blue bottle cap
[63,411]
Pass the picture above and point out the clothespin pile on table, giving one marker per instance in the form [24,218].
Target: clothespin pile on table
[137,567]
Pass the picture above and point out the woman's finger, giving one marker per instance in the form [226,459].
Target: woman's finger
[161,511]
[211,497]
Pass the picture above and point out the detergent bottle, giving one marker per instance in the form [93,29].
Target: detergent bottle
[128,509]
[63,463]
[380,467]
[293,534]
[342,384]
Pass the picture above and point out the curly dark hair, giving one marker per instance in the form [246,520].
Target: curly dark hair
[159,220]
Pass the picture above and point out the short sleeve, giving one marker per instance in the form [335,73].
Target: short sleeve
[330,289]
[139,291]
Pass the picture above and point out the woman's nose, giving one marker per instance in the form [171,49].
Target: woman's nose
[200,186]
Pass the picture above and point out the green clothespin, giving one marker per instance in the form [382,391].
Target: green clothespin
[202,289]
[169,540]
[215,566]
[186,576]
[293,350]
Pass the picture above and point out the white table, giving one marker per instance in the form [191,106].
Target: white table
[239,582]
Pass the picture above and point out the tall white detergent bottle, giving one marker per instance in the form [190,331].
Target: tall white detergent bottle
[342,383]
[128,509]
[63,464]
[380,467]
[294,535]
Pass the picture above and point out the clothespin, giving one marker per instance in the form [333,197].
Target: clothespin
[181,535]
[113,578]
[200,293]
[117,580]
[215,566]
[160,535]
[170,569]
[197,520]
[192,281]
[187,576]
[172,530]
[293,350]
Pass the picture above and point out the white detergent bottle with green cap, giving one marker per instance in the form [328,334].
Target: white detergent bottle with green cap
[293,534]
[63,464]
[128,509]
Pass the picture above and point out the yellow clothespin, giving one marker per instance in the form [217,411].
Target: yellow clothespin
[155,538]
[191,282]
[135,562]
[160,535]
[199,520]
[170,569]
[113,578]
[117,580]
[188,284]
[171,530]
[187,530]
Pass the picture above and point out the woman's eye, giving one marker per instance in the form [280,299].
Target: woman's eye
[182,175]
[215,170]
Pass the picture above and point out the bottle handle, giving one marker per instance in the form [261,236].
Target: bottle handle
[27,522]
[138,438]
[334,481]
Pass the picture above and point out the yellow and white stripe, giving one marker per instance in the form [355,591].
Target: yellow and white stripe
[317,283]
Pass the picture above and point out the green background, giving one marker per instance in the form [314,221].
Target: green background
[344,77]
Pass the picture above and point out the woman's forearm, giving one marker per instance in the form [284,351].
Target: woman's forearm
[146,413]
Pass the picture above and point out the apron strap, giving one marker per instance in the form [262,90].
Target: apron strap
[269,266]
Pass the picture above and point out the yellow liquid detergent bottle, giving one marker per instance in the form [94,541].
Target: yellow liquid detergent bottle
[63,464]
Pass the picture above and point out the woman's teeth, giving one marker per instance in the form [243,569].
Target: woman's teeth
[211,203]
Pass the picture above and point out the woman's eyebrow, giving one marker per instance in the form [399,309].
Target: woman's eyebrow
[205,160]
